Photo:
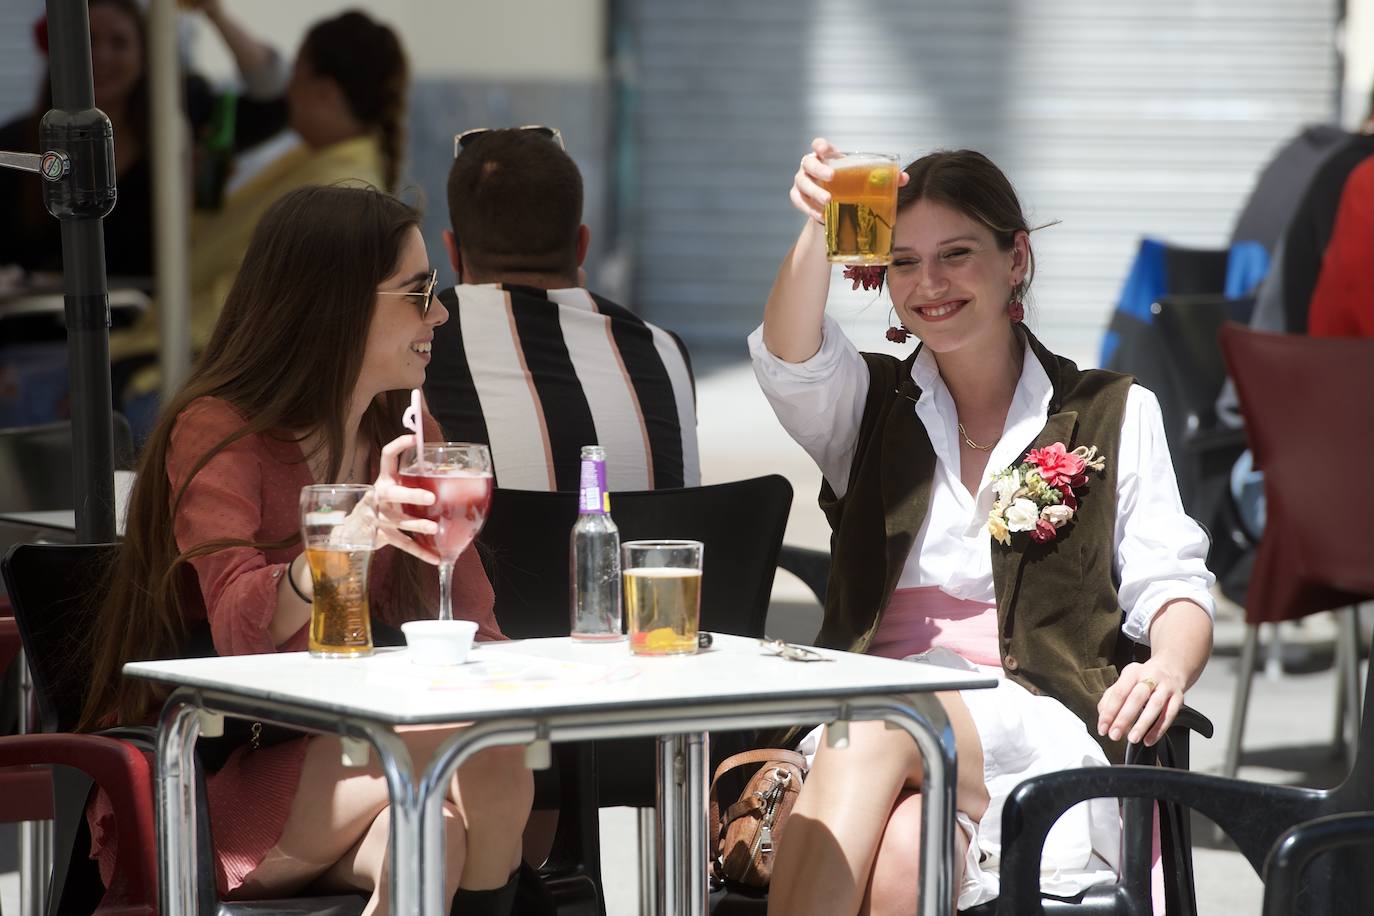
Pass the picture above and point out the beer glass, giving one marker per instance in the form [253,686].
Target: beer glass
[862,208]
[662,595]
[339,528]
[459,476]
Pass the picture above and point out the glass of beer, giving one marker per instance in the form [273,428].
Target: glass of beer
[459,476]
[662,595]
[339,528]
[862,208]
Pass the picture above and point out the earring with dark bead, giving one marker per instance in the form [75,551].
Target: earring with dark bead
[897,333]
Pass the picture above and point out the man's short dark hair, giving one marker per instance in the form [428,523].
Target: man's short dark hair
[515,204]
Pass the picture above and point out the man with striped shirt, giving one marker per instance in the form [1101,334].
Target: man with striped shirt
[530,362]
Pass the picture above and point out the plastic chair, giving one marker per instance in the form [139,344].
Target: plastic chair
[1204,449]
[1296,849]
[525,547]
[53,588]
[1310,425]
[1256,816]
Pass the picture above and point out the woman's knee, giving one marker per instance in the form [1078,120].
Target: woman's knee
[496,784]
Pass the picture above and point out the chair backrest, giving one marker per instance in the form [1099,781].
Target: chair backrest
[55,590]
[525,547]
[1308,405]
[1190,324]
[36,464]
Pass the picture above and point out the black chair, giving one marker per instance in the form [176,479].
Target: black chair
[525,548]
[1296,849]
[1256,816]
[1203,448]
[54,589]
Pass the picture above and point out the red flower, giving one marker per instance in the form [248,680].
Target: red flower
[870,277]
[1068,498]
[1058,467]
[1043,531]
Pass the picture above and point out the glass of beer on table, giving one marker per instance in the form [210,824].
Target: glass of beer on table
[862,208]
[339,528]
[459,476]
[662,595]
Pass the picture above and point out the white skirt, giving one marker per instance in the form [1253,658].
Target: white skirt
[1024,735]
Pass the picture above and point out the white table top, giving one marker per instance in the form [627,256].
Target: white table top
[65,519]
[547,676]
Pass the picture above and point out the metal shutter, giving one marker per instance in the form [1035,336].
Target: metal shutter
[1121,119]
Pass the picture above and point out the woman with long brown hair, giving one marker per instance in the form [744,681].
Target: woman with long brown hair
[303,381]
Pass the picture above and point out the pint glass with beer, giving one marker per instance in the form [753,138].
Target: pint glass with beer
[862,209]
[662,595]
[339,528]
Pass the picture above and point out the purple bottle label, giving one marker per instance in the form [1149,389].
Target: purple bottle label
[592,496]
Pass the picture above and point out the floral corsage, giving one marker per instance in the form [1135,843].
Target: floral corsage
[1037,496]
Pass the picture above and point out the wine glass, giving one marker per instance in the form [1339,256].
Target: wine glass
[459,476]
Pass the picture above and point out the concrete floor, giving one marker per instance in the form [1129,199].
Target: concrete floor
[1285,741]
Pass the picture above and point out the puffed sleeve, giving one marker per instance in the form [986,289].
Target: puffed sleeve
[1161,553]
[223,501]
[820,401]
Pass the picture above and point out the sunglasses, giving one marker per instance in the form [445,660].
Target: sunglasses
[461,140]
[426,295]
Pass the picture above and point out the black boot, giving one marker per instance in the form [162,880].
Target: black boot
[496,902]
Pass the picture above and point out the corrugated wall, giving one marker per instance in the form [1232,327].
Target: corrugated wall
[1121,119]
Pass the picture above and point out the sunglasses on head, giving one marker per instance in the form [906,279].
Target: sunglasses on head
[426,295]
[461,140]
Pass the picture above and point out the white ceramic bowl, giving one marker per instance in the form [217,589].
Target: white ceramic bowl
[439,642]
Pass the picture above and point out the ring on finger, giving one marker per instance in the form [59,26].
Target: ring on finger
[1151,683]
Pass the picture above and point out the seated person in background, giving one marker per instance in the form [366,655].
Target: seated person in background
[1343,300]
[303,381]
[33,356]
[531,363]
[1046,580]
[346,100]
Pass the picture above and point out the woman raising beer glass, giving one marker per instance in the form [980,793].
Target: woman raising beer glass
[993,507]
[304,381]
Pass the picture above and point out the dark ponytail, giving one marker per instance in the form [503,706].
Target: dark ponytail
[365,58]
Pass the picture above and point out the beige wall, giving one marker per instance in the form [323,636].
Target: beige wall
[490,39]
[1359,61]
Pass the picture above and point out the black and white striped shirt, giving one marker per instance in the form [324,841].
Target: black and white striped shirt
[537,374]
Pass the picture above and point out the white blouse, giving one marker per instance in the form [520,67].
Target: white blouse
[1160,552]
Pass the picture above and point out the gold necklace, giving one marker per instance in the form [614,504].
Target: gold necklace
[971,443]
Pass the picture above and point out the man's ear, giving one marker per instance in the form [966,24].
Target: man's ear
[455,257]
[584,241]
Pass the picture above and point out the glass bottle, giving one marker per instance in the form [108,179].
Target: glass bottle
[595,555]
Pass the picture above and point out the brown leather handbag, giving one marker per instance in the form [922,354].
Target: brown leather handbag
[745,837]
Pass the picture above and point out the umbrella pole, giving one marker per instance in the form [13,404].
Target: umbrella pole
[80,145]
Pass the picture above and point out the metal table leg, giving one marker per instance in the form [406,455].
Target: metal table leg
[692,805]
[410,867]
[929,727]
[176,807]
[668,824]
[35,837]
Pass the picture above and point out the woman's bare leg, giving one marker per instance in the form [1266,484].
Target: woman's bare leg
[336,807]
[893,882]
[367,867]
[834,830]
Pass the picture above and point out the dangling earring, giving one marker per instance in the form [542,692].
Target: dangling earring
[897,333]
[1016,311]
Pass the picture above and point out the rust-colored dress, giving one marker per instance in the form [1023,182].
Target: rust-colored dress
[250,490]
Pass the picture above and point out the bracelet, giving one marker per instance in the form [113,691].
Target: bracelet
[291,577]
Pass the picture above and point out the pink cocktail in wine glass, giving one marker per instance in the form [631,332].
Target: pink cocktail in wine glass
[459,476]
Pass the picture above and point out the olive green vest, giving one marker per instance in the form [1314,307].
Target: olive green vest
[1058,616]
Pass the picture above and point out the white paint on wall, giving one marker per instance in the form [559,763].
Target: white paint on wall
[486,39]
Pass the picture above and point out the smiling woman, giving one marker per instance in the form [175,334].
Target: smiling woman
[304,380]
[1005,453]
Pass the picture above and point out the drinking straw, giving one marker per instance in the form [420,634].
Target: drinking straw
[411,420]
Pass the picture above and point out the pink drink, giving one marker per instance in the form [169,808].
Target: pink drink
[461,500]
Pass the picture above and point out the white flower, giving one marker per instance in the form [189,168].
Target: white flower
[1007,485]
[1021,515]
[1058,516]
